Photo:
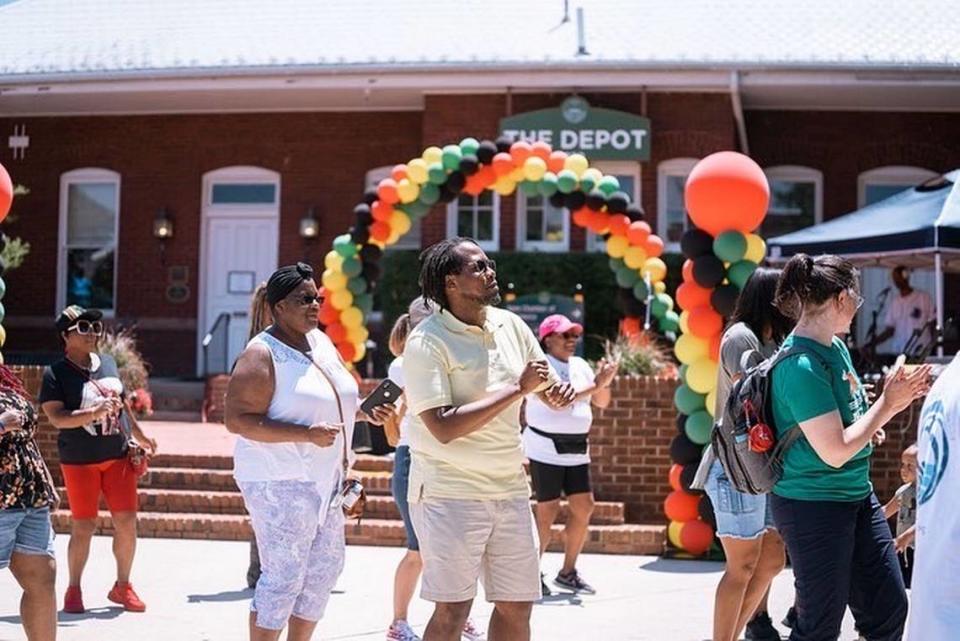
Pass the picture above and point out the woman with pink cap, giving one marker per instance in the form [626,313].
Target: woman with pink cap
[556,443]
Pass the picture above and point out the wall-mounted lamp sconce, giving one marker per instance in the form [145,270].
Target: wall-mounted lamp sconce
[163,225]
[309,225]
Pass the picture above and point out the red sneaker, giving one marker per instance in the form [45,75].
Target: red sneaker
[73,600]
[123,594]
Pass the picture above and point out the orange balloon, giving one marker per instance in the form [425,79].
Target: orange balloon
[556,160]
[488,175]
[328,314]
[704,322]
[336,332]
[727,190]
[541,149]
[687,271]
[638,233]
[653,246]
[474,185]
[715,347]
[696,537]
[382,211]
[503,164]
[630,326]
[675,471]
[681,506]
[380,230]
[387,191]
[619,225]
[520,151]
[399,172]
[581,217]
[690,295]
[599,223]
[6,193]
[347,351]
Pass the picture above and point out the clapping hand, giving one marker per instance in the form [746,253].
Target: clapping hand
[533,376]
[560,395]
[902,388]
[606,371]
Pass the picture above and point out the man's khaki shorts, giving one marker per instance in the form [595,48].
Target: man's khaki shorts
[465,540]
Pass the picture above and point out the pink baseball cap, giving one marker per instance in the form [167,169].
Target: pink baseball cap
[557,324]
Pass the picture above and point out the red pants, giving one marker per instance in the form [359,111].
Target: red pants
[114,478]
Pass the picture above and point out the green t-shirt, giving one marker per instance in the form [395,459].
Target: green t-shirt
[804,389]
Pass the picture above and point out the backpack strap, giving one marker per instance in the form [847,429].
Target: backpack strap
[792,434]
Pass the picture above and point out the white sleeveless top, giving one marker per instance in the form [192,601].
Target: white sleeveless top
[303,396]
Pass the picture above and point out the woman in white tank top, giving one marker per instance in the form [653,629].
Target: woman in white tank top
[293,404]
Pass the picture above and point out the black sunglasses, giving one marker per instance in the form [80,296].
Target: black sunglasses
[482,265]
[84,327]
[308,299]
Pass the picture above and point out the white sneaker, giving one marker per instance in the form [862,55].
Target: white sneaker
[400,630]
[472,633]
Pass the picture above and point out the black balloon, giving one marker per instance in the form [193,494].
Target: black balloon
[503,143]
[634,212]
[360,235]
[628,302]
[618,202]
[486,151]
[687,475]
[706,512]
[363,215]
[370,195]
[370,253]
[469,165]
[724,299]
[455,182]
[596,200]
[575,200]
[696,242]
[371,273]
[684,451]
[558,199]
[708,271]
[681,423]
[446,195]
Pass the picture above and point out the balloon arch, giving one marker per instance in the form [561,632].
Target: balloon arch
[440,175]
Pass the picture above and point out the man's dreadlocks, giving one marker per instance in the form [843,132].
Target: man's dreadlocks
[436,263]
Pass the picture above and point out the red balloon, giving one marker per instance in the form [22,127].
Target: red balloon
[675,471]
[581,217]
[630,326]
[399,172]
[638,233]
[6,193]
[727,190]
[715,347]
[619,225]
[336,332]
[541,149]
[696,537]
[599,223]
[503,164]
[387,191]
[704,322]
[556,160]
[690,295]
[487,175]
[475,184]
[328,314]
[520,151]
[347,351]
[382,211]
[687,272]
[380,230]
[653,246]
[681,506]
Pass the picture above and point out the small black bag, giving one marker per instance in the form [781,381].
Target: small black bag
[565,443]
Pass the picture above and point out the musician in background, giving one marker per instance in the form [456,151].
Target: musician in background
[910,310]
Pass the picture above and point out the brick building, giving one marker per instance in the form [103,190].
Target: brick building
[239,126]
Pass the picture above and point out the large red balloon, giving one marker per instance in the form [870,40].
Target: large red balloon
[681,506]
[727,190]
[690,296]
[696,537]
[6,193]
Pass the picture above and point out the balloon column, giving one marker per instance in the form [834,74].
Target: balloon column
[442,174]
[6,199]
[726,197]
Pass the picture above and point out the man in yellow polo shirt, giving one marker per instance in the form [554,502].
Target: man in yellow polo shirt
[467,369]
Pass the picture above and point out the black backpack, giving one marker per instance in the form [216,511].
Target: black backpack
[748,408]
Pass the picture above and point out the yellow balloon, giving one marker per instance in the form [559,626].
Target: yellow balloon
[685,321]
[617,246]
[517,174]
[333,261]
[351,317]
[407,190]
[577,163]
[712,402]
[334,280]
[505,185]
[357,334]
[656,268]
[673,533]
[341,299]
[360,350]
[702,375]
[417,170]
[659,287]
[593,174]
[393,237]
[756,249]
[400,222]
[690,349]
[534,168]
[432,155]
[1,359]
[634,257]
[3,336]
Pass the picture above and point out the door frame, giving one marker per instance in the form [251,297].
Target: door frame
[208,211]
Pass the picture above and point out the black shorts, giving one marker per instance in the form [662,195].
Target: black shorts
[550,481]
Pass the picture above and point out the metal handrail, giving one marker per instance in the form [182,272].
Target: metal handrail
[221,328]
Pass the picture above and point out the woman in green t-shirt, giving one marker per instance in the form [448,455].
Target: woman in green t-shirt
[824,507]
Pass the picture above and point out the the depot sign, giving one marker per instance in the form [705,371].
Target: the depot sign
[599,134]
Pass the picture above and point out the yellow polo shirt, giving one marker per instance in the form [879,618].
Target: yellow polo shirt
[447,362]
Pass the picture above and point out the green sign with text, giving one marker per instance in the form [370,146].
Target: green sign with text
[576,127]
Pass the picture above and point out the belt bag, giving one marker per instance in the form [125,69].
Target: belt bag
[564,443]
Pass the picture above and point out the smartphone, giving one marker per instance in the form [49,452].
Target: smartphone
[387,392]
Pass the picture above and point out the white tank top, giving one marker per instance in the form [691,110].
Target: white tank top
[303,396]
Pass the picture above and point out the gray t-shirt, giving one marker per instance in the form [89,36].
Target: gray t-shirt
[736,340]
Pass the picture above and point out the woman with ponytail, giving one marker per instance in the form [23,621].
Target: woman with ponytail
[824,507]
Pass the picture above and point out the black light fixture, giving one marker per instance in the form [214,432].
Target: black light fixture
[309,225]
[163,225]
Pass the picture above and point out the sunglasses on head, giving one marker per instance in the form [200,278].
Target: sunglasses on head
[84,327]
[484,264]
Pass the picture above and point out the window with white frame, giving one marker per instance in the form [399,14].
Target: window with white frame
[628,175]
[540,225]
[672,219]
[413,238]
[89,222]
[796,199]
[881,183]
[477,217]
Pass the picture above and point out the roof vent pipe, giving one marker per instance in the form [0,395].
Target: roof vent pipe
[581,36]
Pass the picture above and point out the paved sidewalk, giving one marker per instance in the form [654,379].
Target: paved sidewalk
[195,592]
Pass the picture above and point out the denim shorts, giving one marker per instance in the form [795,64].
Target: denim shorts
[26,531]
[739,515]
[398,485]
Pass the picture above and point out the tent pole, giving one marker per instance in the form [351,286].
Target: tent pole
[938,277]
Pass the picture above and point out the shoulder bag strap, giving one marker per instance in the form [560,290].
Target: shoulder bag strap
[104,392]
[343,423]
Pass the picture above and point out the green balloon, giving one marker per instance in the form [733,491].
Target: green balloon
[344,246]
[364,302]
[627,277]
[415,210]
[529,188]
[739,272]
[587,183]
[640,291]
[616,263]
[429,193]
[436,173]
[688,401]
[469,146]
[730,246]
[3,312]
[357,286]
[3,288]
[566,181]
[667,325]
[673,317]
[658,307]
[451,157]
[352,267]
[608,185]
[548,185]
[683,373]
[698,427]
